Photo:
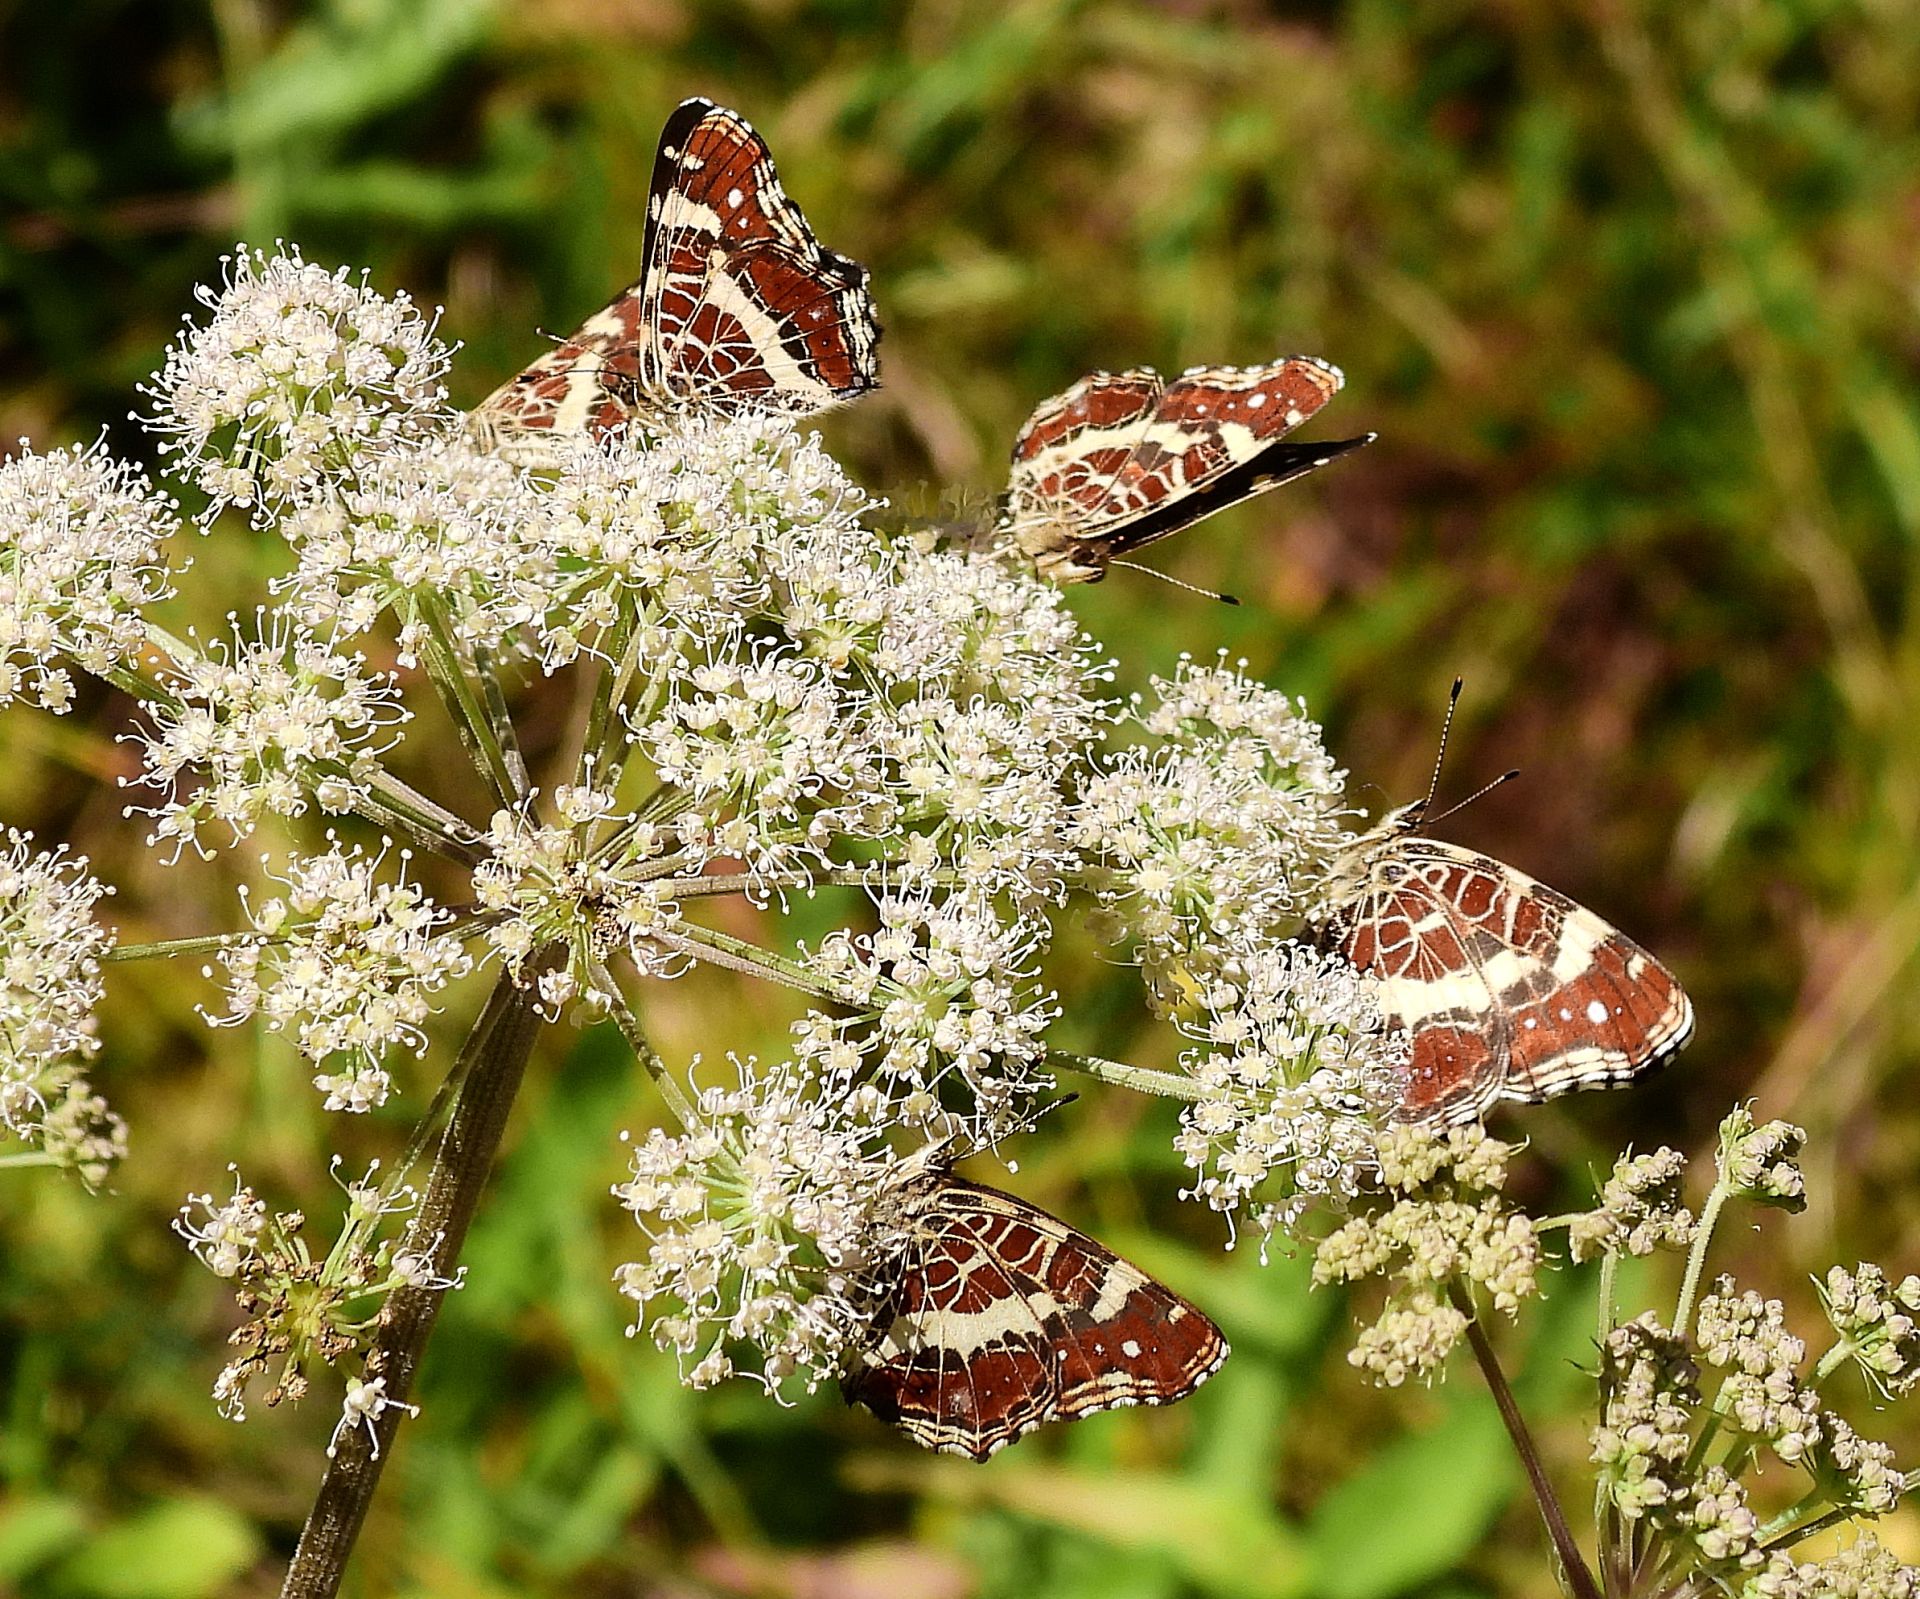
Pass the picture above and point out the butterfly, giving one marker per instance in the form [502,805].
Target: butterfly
[1124,458]
[1004,1318]
[1508,989]
[738,308]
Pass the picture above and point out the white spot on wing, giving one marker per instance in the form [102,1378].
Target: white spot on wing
[1596,1011]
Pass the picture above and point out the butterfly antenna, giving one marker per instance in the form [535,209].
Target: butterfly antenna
[1484,789]
[1191,588]
[1440,756]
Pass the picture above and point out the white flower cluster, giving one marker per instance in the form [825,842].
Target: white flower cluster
[760,1221]
[82,549]
[296,375]
[1301,1076]
[265,726]
[349,965]
[50,953]
[943,988]
[1215,840]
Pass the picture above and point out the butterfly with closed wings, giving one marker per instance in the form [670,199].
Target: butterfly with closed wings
[1123,459]
[1508,989]
[737,308]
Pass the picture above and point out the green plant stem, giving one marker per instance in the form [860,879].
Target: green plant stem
[33,1157]
[465,707]
[1697,1259]
[166,948]
[649,1057]
[491,1064]
[738,955]
[1579,1579]
[1141,1079]
[500,720]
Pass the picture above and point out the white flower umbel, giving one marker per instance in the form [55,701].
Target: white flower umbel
[433,536]
[265,726]
[82,551]
[349,965]
[365,1403]
[548,883]
[760,1221]
[1301,1076]
[1218,839]
[50,953]
[225,1238]
[943,990]
[297,376]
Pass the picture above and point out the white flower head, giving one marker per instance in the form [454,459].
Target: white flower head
[297,376]
[365,1403]
[51,947]
[265,726]
[82,552]
[225,1238]
[1302,1077]
[349,965]
[761,1223]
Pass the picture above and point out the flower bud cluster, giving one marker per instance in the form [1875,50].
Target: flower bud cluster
[1878,1323]
[1301,1077]
[1639,1210]
[347,963]
[1439,1228]
[82,551]
[50,952]
[1761,1163]
[296,375]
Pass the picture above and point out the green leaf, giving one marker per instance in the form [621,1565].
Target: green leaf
[176,1549]
[1415,1510]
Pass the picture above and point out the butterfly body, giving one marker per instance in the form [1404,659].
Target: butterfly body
[1004,1318]
[1123,459]
[1508,988]
[738,308]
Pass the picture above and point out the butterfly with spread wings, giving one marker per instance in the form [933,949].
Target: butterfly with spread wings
[1003,1318]
[1507,988]
[1123,459]
[738,308]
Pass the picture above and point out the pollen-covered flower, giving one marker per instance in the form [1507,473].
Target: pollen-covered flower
[760,1220]
[50,952]
[82,552]
[349,965]
[1650,1389]
[943,989]
[265,726]
[1761,1394]
[1219,838]
[1301,1077]
[298,374]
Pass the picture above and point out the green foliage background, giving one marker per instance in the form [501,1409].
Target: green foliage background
[1628,290]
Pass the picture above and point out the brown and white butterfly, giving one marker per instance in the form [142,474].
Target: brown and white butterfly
[1003,1318]
[737,308]
[1122,459]
[1509,989]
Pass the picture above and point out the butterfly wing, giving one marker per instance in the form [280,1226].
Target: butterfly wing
[1007,1318]
[1122,459]
[738,306]
[745,309]
[1509,989]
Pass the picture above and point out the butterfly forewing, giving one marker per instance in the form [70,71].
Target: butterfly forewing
[1005,1318]
[1122,459]
[737,308]
[1508,989]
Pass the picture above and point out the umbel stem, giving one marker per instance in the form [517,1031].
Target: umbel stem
[492,1062]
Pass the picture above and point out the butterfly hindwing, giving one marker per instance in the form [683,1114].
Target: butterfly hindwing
[738,307]
[1508,989]
[1005,1318]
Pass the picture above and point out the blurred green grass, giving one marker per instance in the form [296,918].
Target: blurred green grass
[1628,291]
